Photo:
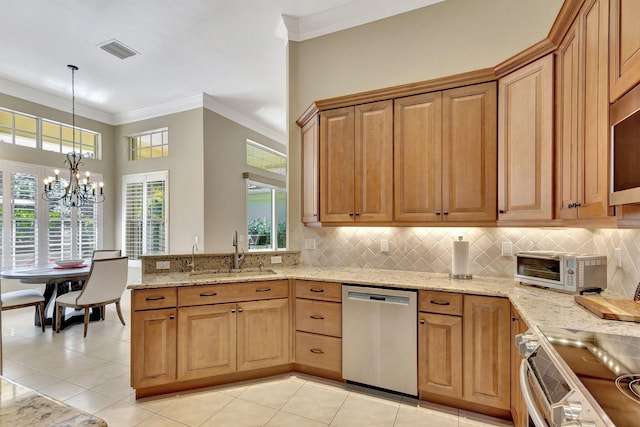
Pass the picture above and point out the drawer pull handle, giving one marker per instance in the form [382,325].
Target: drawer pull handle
[154,299]
[316,351]
[422,322]
[440,302]
[212,294]
[263,290]
[316,290]
[172,317]
[316,317]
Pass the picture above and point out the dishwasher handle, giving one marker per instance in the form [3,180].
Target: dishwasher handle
[368,297]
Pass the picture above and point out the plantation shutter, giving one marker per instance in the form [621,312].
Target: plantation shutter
[59,231]
[155,227]
[134,219]
[24,231]
[87,230]
[1,223]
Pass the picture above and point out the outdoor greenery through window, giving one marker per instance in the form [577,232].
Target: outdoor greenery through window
[37,232]
[35,132]
[266,216]
[149,145]
[266,158]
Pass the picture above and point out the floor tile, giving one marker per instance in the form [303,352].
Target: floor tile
[365,411]
[122,414]
[284,419]
[274,393]
[195,409]
[471,419]
[409,417]
[241,413]
[90,401]
[62,390]
[158,421]
[316,402]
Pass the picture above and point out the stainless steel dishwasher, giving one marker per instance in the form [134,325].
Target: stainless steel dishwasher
[380,338]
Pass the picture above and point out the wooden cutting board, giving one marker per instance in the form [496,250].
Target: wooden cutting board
[612,309]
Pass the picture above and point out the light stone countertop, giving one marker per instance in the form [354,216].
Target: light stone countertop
[20,406]
[538,307]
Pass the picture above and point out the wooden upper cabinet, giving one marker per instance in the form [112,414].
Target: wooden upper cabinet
[583,115]
[525,142]
[356,163]
[417,157]
[337,155]
[624,45]
[469,153]
[310,187]
[374,162]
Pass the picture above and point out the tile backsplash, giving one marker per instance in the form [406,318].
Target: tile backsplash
[429,248]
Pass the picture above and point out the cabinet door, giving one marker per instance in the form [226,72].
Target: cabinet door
[337,174]
[153,347]
[418,157]
[310,188]
[487,356]
[593,191]
[206,341]
[624,45]
[518,407]
[469,153]
[567,72]
[374,162]
[263,334]
[525,142]
[440,354]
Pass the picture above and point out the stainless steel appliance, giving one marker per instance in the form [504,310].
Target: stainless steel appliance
[577,378]
[380,338]
[564,272]
[625,149]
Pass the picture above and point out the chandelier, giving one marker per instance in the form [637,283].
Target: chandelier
[75,192]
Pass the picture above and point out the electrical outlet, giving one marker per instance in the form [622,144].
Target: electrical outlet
[384,245]
[507,249]
[618,255]
[276,259]
[309,243]
[163,265]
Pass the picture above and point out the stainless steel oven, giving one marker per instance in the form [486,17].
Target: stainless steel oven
[578,378]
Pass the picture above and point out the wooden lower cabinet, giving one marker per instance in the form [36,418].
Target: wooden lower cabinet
[518,407]
[319,351]
[464,353]
[153,347]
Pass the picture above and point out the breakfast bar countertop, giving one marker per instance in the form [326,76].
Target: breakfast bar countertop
[21,406]
[538,307]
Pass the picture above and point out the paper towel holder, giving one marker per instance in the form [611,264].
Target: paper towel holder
[460,276]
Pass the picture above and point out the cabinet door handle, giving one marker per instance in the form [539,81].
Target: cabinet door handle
[514,319]
[350,213]
[578,205]
[316,351]
[438,213]
[422,322]
[501,211]
[172,317]
[263,290]
[440,302]
[315,290]
[445,213]
[212,294]
[240,310]
[316,317]
[233,310]
[357,214]
[154,299]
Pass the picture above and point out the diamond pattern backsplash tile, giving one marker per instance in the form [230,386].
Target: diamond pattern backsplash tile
[429,249]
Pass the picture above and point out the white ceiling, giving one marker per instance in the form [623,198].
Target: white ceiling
[228,55]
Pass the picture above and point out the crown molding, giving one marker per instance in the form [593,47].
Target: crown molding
[158,110]
[350,15]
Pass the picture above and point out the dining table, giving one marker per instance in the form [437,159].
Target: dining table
[58,280]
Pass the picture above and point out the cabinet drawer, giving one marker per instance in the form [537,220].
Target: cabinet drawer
[232,292]
[319,317]
[149,299]
[325,291]
[319,351]
[440,302]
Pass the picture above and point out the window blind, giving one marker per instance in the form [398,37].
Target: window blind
[24,204]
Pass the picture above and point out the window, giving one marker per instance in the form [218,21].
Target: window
[34,231]
[266,216]
[145,213]
[266,158]
[149,145]
[31,131]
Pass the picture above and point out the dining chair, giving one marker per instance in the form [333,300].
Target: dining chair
[24,298]
[104,285]
[106,253]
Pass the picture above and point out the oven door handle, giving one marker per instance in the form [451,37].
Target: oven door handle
[527,395]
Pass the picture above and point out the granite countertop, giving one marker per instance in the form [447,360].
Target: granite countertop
[20,406]
[538,307]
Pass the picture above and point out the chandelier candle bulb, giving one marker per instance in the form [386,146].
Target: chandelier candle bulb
[460,259]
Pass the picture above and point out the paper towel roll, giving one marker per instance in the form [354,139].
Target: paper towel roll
[460,259]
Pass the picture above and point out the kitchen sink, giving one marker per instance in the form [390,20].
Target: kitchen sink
[245,272]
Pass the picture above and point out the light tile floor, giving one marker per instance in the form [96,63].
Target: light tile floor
[92,374]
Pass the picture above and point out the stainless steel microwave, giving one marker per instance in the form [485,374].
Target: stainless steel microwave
[625,149]
[564,272]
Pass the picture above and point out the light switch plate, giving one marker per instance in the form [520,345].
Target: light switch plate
[276,259]
[309,243]
[507,249]
[163,265]
[384,245]
[618,256]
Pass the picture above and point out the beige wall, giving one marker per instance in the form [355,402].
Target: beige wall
[224,188]
[105,166]
[185,165]
[451,37]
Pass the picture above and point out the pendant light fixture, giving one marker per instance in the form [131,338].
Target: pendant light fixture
[74,193]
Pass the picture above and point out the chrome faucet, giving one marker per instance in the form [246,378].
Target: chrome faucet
[237,259]
[192,264]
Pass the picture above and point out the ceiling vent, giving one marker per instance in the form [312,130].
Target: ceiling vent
[116,48]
